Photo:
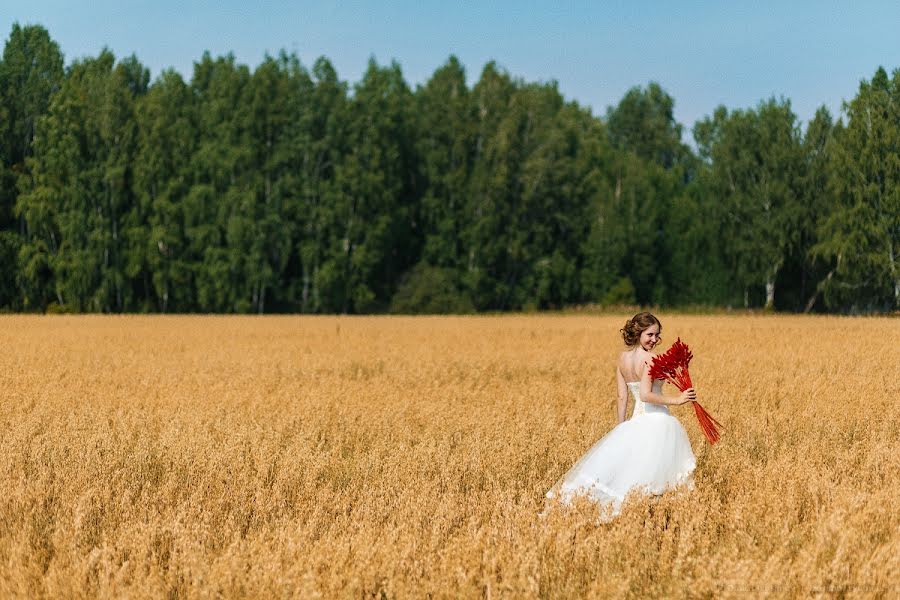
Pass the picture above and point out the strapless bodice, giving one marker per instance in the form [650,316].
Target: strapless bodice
[641,407]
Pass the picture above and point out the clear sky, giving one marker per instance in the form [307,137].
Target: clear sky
[703,53]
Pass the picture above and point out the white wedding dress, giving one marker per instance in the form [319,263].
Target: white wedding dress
[649,452]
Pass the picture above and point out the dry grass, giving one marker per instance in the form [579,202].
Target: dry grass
[406,457]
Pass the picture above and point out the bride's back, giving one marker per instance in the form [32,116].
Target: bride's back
[631,363]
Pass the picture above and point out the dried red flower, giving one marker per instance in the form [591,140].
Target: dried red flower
[672,366]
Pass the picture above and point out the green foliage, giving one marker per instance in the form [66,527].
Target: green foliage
[644,123]
[622,293]
[288,190]
[757,165]
[860,238]
[430,290]
[445,122]
[10,243]
[699,274]
[31,71]
[80,196]
[159,255]
[370,230]
[58,309]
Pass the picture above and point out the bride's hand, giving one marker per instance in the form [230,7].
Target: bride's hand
[688,395]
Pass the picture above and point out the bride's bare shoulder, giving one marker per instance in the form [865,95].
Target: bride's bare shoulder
[627,364]
[642,360]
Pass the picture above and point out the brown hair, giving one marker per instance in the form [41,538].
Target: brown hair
[636,325]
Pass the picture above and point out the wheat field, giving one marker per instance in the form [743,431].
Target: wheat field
[389,457]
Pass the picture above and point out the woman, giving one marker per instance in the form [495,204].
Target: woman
[650,451]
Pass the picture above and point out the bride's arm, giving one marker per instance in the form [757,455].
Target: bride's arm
[623,394]
[647,394]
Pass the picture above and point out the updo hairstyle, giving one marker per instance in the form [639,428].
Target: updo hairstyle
[636,325]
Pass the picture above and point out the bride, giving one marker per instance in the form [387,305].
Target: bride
[649,452]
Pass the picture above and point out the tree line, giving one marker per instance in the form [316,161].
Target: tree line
[286,189]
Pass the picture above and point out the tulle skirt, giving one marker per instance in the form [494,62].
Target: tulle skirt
[649,452]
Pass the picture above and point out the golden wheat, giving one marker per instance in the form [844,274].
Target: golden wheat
[408,457]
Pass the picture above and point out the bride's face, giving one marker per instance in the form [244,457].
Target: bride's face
[650,337]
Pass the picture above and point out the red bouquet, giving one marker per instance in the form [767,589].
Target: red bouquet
[672,366]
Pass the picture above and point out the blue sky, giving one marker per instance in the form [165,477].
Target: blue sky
[703,53]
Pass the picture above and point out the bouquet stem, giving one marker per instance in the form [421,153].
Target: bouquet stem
[708,424]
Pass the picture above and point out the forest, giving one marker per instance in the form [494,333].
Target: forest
[285,189]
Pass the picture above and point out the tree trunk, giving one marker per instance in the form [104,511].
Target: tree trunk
[770,287]
[315,287]
[304,295]
[812,300]
[894,276]
[770,294]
